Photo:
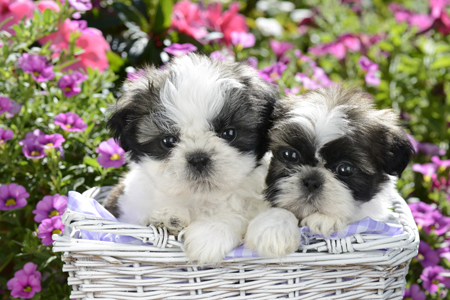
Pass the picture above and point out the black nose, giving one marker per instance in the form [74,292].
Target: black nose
[199,161]
[312,184]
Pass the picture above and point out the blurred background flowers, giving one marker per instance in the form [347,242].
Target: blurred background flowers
[62,63]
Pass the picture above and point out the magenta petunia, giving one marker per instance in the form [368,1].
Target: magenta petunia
[280,47]
[427,256]
[50,140]
[32,149]
[304,58]
[442,164]
[426,148]
[427,170]
[5,135]
[5,104]
[273,73]
[36,65]
[15,108]
[432,276]
[307,82]
[26,282]
[252,61]
[180,49]
[81,5]
[422,213]
[70,83]
[218,55]
[12,196]
[414,293]
[440,225]
[50,206]
[292,91]
[135,74]
[372,79]
[48,227]
[367,65]
[111,154]
[70,121]
[321,77]
[246,40]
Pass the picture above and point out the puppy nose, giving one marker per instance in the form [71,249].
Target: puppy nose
[312,184]
[199,161]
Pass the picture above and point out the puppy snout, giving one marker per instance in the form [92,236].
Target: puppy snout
[312,183]
[199,161]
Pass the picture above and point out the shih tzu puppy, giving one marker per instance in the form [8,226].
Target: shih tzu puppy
[195,134]
[335,158]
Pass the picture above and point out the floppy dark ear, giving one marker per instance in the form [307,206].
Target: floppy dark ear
[399,153]
[119,123]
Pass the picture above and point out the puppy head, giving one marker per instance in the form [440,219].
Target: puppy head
[197,126]
[332,150]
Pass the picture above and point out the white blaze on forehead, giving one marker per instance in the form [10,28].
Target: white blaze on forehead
[323,124]
[196,93]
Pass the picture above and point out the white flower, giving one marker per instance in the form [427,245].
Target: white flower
[269,27]
[299,14]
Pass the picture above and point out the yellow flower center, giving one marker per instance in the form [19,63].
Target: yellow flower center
[36,73]
[68,126]
[56,231]
[67,89]
[419,227]
[49,145]
[436,281]
[115,156]
[10,201]
[408,298]
[35,153]
[427,178]
[1,140]
[274,75]
[420,257]
[27,289]
[442,169]
[53,213]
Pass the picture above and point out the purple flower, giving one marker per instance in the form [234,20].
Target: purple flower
[5,134]
[414,293]
[308,83]
[253,62]
[50,140]
[293,91]
[180,49]
[218,55]
[32,149]
[427,170]
[111,154]
[70,121]
[302,57]
[70,84]
[37,66]
[321,77]
[50,206]
[442,164]
[367,65]
[48,227]
[15,108]
[427,256]
[12,196]
[440,225]
[431,277]
[352,43]
[426,148]
[26,282]
[273,73]
[422,213]
[81,5]
[372,79]
[132,76]
[5,105]
[280,47]
[422,21]
[244,39]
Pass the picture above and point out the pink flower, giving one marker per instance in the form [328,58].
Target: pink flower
[32,136]
[5,104]
[293,91]
[367,65]
[423,213]
[427,256]
[70,83]
[440,225]
[48,4]
[218,55]
[180,49]
[426,169]
[36,65]
[339,47]
[273,73]
[304,58]
[135,74]
[426,148]
[186,18]
[111,154]
[32,149]
[431,277]
[48,227]
[70,121]
[26,282]
[246,40]
[307,82]
[253,62]
[50,206]
[443,164]
[91,41]
[12,196]
[50,140]
[5,135]
[81,5]
[280,47]
[15,108]
[15,10]
[351,42]
[414,293]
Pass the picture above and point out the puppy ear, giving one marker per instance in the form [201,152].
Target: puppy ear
[399,152]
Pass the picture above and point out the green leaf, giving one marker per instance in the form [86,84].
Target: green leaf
[163,16]
[386,46]
[115,61]
[91,162]
[441,62]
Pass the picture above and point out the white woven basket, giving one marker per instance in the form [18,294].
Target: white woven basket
[357,267]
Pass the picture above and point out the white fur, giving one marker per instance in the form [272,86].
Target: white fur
[273,233]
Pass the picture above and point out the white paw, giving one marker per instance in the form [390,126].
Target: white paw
[174,219]
[273,233]
[208,242]
[324,224]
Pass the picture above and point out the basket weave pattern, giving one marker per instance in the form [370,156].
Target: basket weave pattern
[361,266]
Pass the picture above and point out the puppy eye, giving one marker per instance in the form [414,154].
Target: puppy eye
[290,155]
[345,169]
[229,134]
[169,142]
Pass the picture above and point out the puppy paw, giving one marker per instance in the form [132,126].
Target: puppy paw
[208,242]
[273,233]
[324,224]
[175,220]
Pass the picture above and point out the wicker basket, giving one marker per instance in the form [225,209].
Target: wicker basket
[357,267]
